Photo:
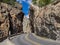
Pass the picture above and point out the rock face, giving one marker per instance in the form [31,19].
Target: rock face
[26,25]
[11,19]
[16,18]
[4,24]
[46,21]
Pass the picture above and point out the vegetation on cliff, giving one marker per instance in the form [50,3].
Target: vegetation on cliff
[12,2]
[41,3]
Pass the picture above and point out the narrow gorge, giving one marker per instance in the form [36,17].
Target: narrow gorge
[43,21]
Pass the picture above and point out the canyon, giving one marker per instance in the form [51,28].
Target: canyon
[43,21]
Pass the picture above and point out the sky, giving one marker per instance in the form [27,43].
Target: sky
[25,4]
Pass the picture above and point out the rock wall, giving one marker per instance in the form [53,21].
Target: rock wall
[31,18]
[26,25]
[11,19]
[46,21]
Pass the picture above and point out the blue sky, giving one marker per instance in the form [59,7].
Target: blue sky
[25,4]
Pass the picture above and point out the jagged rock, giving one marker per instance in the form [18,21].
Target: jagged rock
[4,24]
[16,20]
[14,11]
[11,19]
[46,21]
[3,10]
[31,18]
[18,6]
[4,5]
[55,2]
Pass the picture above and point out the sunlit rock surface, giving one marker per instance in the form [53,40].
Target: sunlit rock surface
[26,25]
